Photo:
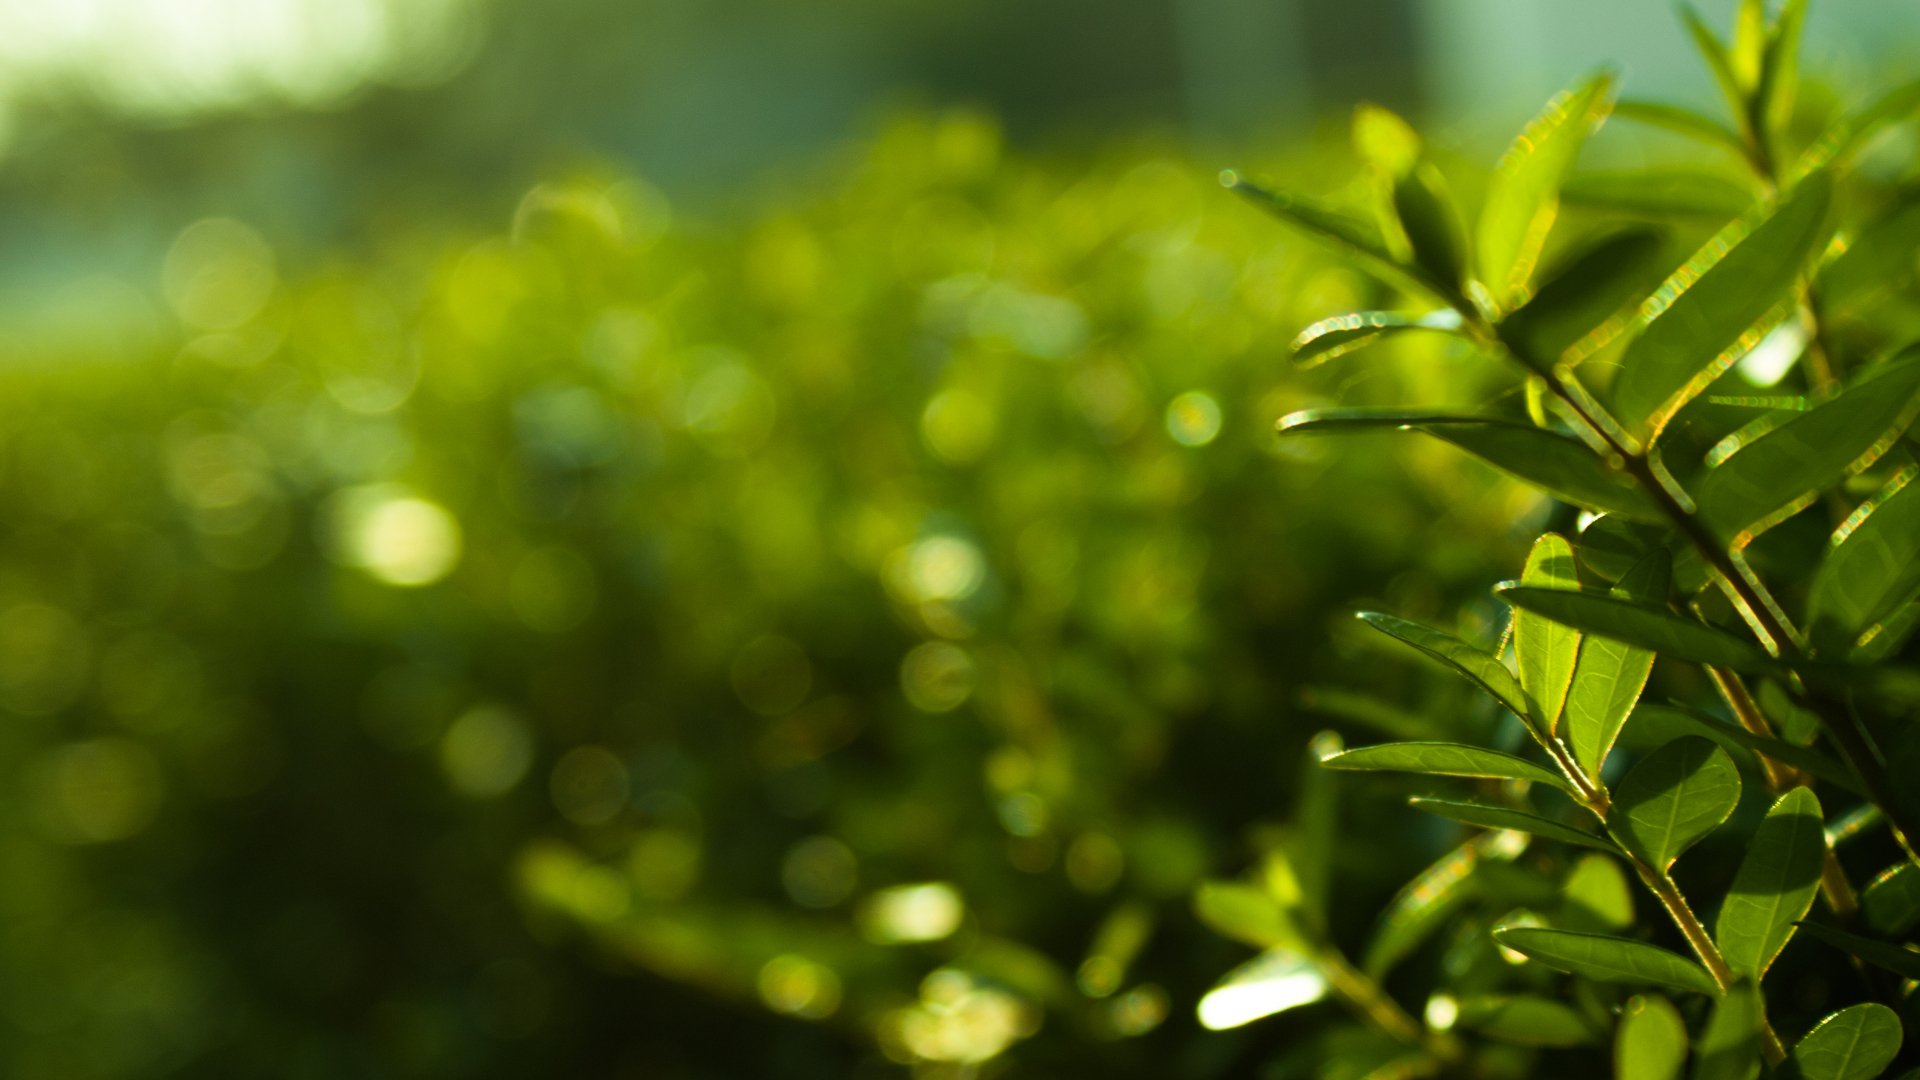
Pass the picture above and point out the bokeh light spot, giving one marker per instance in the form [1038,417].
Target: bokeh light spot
[1193,418]
[486,752]
[937,677]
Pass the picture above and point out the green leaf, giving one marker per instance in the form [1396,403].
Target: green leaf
[1477,666]
[1785,469]
[1348,421]
[1564,468]
[1443,759]
[1730,1046]
[1878,257]
[1342,232]
[1524,1020]
[1673,798]
[1384,140]
[1313,830]
[1749,45]
[1523,193]
[1583,295]
[1646,627]
[1845,138]
[1812,762]
[1651,1042]
[1245,913]
[1427,213]
[1682,121]
[1856,1043]
[1424,904]
[1608,959]
[1342,334]
[1546,650]
[1780,68]
[1710,311]
[1715,54]
[1489,816]
[1596,896]
[1664,193]
[1895,958]
[1774,886]
[1891,901]
[1609,675]
[1872,566]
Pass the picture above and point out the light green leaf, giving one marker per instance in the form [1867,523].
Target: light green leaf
[1774,886]
[1716,56]
[1786,468]
[1427,213]
[1891,901]
[1342,334]
[1682,121]
[1872,566]
[1712,310]
[1730,1046]
[1488,816]
[1563,467]
[1524,1020]
[1424,904]
[1477,666]
[1546,650]
[1780,68]
[1342,232]
[1649,628]
[1664,193]
[1596,896]
[1608,959]
[1443,759]
[1878,258]
[1856,1043]
[1673,798]
[1523,193]
[1584,295]
[1384,140]
[1895,958]
[1609,675]
[1247,914]
[1651,1042]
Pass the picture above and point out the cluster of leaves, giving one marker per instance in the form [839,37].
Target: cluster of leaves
[1733,437]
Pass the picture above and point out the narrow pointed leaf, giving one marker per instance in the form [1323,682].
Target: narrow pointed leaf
[1748,49]
[1714,52]
[1342,232]
[1609,675]
[1785,468]
[1426,212]
[1707,314]
[1342,334]
[1584,295]
[1673,798]
[1729,1048]
[1774,886]
[1683,121]
[1668,193]
[1895,958]
[1856,1043]
[1524,1020]
[1651,1042]
[1563,467]
[1523,195]
[1546,650]
[1872,565]
[1891,902]
[1736,738]
[1879,257]
[1608,959]
[1477,666]
[1347,421]
[1649,628]
[1854,131]
[1424,904]
[1780,67]
[1442,759]
[1489,816]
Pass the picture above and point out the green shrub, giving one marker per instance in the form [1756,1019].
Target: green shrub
[1690,793]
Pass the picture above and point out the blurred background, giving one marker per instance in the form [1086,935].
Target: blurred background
[650,538]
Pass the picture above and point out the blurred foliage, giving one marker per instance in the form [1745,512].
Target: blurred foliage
[623,645]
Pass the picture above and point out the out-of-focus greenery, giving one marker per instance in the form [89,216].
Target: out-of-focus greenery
[613,644]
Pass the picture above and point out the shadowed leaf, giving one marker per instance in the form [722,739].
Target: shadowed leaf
[1897,959]
[1608,959]
[1489,816]
[1442,759]
[1481,668]
[1584,295]
[1855,1043]
[1891,901]
[1729,1047]
[1673,798]
[1524,1020]
[1609,675]
[1546,651]
[1774,886]
[1872,566]
[1649,628]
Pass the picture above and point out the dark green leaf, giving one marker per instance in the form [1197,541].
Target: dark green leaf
[1609,675]
[1735,739]
[1673,798]
[1347,421]
[1774,886]
[1342,334]
[1442,759]
[1523,194]
[1649,628]
[1846,137]
[1879,257]
[1563,467]
[1872,566]
[1707,313]
[1780,69]
[1891,901]
[1524,1020]
[1682,121]
[1784,469]
[1729,1048]
[1901,961]
[1342,232]
[1432,223]
[1856,1043]
[1651,1042]
[1545,650]
[1584,295]
[1664,193]
[1608,959]
[1488,816]
[1477,666]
